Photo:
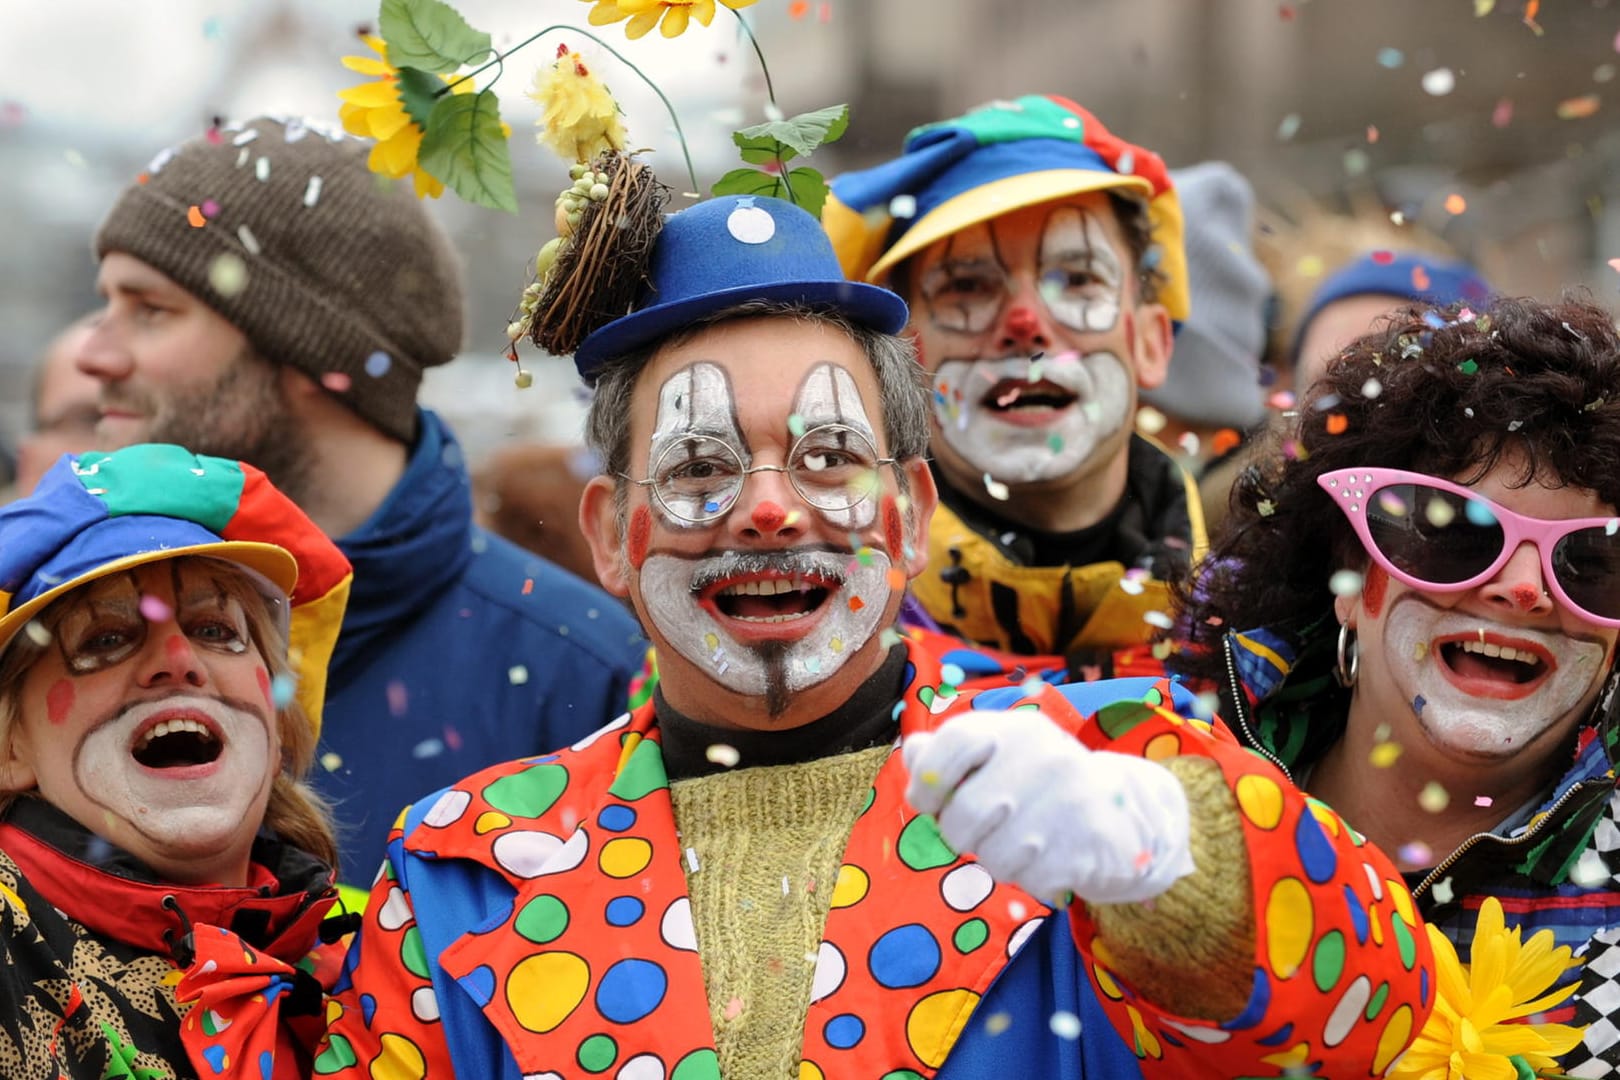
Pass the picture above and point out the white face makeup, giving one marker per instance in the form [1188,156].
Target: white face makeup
[695,401]
[1027,418]
[768,622]
[1481,689]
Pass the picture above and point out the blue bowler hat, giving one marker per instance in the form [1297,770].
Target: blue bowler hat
[728,250]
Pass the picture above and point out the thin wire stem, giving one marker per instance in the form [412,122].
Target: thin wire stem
[686,154]
[770,91]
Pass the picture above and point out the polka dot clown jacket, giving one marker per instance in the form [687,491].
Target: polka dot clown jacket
[533,921]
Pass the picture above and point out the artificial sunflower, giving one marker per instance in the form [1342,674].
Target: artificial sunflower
[645,14]
[578,117]
[376,110]
[1476,1029]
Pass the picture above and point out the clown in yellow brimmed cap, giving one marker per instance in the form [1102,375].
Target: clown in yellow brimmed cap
[994,160]
[1041,258]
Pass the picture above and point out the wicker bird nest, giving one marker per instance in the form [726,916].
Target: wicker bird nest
[600,271]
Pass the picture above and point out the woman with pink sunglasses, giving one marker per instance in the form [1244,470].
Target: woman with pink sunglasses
[1414,608]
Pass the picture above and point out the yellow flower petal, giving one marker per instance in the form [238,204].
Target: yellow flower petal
[604,13]
[675,21]
[638,26]
[367,65]
[372,95]
[735,4]
[426,184]
[703,11]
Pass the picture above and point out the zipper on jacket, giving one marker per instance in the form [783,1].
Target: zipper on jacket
[1249,737]
[1504,841]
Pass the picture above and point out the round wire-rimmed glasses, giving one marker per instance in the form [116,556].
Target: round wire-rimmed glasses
[697,478]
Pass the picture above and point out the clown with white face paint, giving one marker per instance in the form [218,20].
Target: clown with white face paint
[157,840]
[1045,273]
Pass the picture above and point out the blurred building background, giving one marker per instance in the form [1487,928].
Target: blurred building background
[1493,124]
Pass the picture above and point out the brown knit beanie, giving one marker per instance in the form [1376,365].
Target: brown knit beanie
[279,226]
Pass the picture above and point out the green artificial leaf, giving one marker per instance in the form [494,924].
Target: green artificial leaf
[465,148]
[809,188]
[749,182]
[418,93]
[786,139]
[430,35]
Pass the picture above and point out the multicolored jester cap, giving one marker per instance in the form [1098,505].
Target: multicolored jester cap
[996,159]
[98,514]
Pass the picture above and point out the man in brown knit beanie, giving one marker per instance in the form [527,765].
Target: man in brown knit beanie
[271,300]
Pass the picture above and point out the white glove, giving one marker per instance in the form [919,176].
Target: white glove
[1043,812]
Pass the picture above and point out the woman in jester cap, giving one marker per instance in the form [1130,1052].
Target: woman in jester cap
[165,624]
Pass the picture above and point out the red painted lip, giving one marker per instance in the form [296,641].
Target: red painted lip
[180,772]
[749,632]
[1495,688]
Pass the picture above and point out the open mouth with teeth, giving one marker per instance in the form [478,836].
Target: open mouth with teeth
[1018,398]
[765,600]
[1494,668]
[177,743]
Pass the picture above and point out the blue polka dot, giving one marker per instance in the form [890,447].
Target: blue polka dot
[368,1008]
[1358,914]
[1259,1003]
[844,1031]
[267,1065]
[1316,855]
[624,911]
[616,818]
[215,1056]
[905,956]
[630,990]
[479,984]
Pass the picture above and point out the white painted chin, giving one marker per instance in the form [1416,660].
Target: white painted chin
[1025,452]
[197,809]
[831,635]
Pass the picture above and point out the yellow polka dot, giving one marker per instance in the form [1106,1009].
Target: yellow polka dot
[489,821]
[851,886]
[333,1011]
[1290,926]
[808,1071]
[625,857]
[1377,925]
[399,1059]
[1393,1040]
[1294,1057]
[1147,1044]
[1403,901]
[543,989]
[1106,983]
[1163,746]
[936,1021]
[1260,799]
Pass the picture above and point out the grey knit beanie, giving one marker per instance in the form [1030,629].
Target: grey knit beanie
[1214,375]
[279,226]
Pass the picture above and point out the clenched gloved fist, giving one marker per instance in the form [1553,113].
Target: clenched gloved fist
[1043,812]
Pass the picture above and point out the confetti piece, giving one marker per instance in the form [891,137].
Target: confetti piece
[427,748]
[37,633]
[398,698]
[1420,282]
[154,609]
[249,241]
[692,859]
[996,488]
[721,754]
[517,674]
[1455,204]
[1483,7]
[194,216]
[856,603]
[1439,82]
[1417,853]
[1469,367]
[1442,891]
[1159,619]
[1265,507]
[1065,1025]
[1579,108]
[1288,128]
[1337,423]
[1589,870]
[378,363]
[1224,440]
[889,638]
[1482,800]
[1390,57]
[228,275]
[1371,389]
[1502,115]
[903,207]
[1345,583]
[996,1023]
[331,762]
[1372,133]
[1433,797]
[335,381]
[1383,755]
[836,644]
[795,424]
[1150,421]
[282,688]
[312,191]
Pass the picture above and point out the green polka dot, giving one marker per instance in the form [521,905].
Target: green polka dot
[1117,720]
[871,796]
[926,696]
[903,1074]
[1328,963]
[1375,1004]
[644,772]
[921,847]
[1403,941]
[414,955]
[699,1065]
[529,793]
[337,1055]
[542,920]
[970,935]
[1153,697]
[596,1053]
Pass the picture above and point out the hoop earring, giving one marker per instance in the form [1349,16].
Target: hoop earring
[1349,665]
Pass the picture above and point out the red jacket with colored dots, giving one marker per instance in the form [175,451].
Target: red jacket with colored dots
[534,920]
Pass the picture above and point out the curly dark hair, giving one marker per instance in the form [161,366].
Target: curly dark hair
[1447,392]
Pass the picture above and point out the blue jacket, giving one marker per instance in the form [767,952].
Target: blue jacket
[458,650]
